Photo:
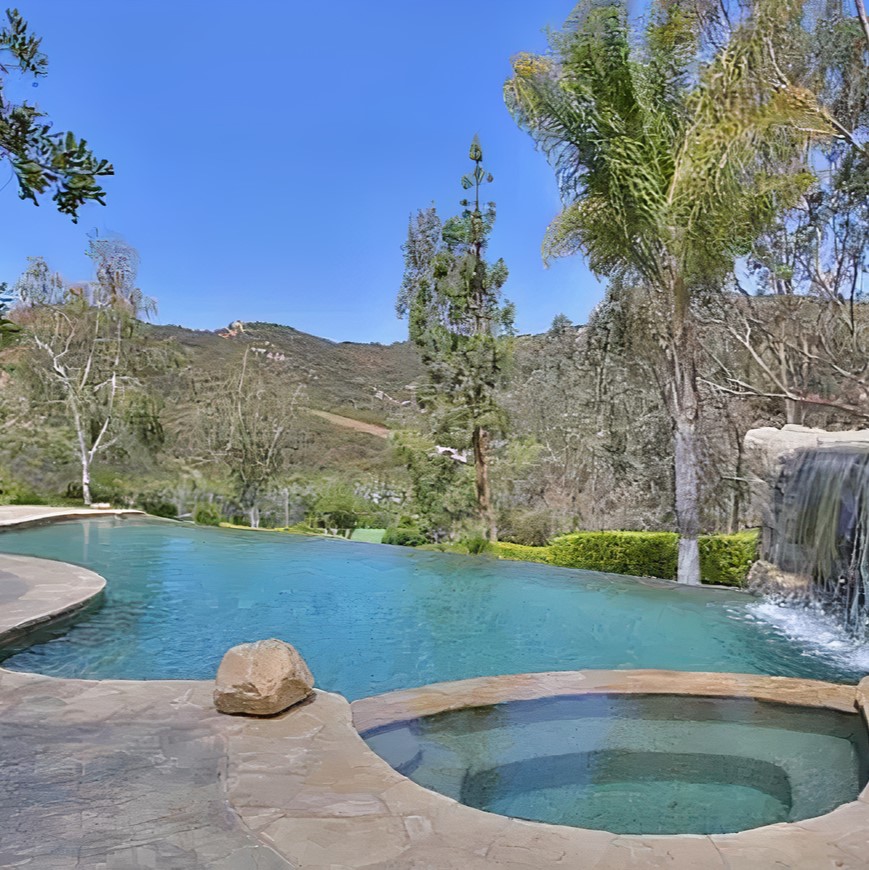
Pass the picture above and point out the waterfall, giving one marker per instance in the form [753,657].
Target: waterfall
[820,531]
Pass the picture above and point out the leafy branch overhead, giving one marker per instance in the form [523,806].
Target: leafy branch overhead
[41,160]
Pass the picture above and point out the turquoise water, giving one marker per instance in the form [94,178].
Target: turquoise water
[371,618]
[637,764]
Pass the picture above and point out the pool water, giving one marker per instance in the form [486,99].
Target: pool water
[637,764]
[371,618]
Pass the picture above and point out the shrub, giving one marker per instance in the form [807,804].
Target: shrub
[531,528]
[158,507]
[404,536]
[726,559]
[476,545]
[521,552]
[25,495]
[207,514]
[642,554]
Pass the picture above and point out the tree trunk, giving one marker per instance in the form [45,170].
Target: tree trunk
[84,455]
[86,479]
[795,412]
[683,404]
[687,500]
[484,493]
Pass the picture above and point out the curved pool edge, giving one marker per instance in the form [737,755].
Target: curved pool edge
[305,786]
[37,592]
[839,838]
[340,805]
[392,707]
[22,516]
[40,591]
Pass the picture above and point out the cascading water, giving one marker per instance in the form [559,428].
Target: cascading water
[820,532]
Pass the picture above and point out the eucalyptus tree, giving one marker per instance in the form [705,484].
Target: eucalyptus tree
[451,296]
[85,354]
[654,135]
[40,159]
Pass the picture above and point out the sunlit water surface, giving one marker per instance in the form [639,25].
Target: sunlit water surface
[371,618]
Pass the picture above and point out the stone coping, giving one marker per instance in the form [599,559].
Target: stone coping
[392,707]
[303,790]
[36,591]
[332,803]
[30,515]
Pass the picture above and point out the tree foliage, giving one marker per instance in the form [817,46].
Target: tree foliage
[249,422]
[42,160]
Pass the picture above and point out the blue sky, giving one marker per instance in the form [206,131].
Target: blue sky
[269,153]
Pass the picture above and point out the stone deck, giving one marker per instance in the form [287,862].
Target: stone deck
[117,775]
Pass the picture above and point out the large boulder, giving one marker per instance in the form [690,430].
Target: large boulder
[261,679]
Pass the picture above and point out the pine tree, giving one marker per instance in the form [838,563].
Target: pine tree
[459,321]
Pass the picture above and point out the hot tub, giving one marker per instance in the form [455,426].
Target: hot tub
[636,763]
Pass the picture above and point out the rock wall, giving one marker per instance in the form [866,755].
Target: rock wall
[766,452]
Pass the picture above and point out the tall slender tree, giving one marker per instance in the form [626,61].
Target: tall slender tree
[85,351]
[655,138]
[458,319]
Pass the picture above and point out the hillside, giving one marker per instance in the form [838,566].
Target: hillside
[353,380]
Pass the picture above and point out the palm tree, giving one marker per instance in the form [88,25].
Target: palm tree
[656,138]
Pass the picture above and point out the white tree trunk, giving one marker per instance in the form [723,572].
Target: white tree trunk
[86,479]
[687,502]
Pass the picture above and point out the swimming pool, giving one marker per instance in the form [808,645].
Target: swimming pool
[370,618]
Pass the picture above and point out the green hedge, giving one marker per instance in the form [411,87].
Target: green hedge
[726,559]
[520,552]
[641,554]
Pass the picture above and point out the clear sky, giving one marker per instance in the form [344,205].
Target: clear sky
[268,153]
